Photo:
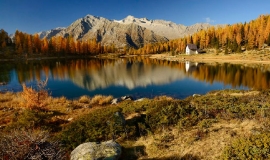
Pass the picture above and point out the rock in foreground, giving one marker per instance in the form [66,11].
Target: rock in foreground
[109,150]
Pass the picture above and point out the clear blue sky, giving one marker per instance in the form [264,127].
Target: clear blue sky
[32,16]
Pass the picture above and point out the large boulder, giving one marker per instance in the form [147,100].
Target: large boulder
[109,150]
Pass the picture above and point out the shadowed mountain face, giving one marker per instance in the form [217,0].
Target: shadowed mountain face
[130,31]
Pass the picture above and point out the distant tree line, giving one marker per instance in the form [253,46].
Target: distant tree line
[32,44]
[252,35]
[5,41]
[27,44]
[233,38]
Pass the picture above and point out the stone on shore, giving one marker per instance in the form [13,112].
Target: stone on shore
[127,98]
[116,101]
[109,150]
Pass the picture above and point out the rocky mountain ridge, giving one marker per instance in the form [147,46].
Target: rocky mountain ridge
[164,28]
[51,32]
[130,31]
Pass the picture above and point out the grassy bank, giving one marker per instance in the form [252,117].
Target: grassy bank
[246,57]
[219,125]
[211,56]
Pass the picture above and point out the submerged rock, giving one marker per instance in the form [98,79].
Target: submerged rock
[109,150]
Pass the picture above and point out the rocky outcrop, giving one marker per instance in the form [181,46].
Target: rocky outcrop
[50,33]
[109,150]
[164,28]
[130,31]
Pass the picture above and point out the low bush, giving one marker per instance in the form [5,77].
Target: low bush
[30,119]
[35,99]
[251,147]
[92,127]
[166,113]
[130,107]
[224,105]
[29,144]
[206,123]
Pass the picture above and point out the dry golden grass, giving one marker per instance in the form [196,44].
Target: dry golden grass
[84,99]
[61,99]
[245,93]
[96,99]
[168,98]
[9,98]
[101,100]
[181,144]
[10,103]
[106,100]
[247,57]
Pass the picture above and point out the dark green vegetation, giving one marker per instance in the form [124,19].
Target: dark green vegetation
[151,117]
[256,146]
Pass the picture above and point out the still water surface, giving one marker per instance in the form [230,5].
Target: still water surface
[135,77]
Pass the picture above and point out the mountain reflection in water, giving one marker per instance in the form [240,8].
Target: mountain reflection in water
[134,76]
[127,74]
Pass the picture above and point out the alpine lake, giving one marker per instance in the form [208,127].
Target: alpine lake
[137,77]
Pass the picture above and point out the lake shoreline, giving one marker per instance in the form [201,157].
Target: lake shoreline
[236,58]
[247,57]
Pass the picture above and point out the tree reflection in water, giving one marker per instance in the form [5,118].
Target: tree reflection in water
[134,73]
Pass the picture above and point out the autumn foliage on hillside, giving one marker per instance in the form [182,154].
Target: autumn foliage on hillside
[32,44]
[233,38]
[5,41]
[252,35]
